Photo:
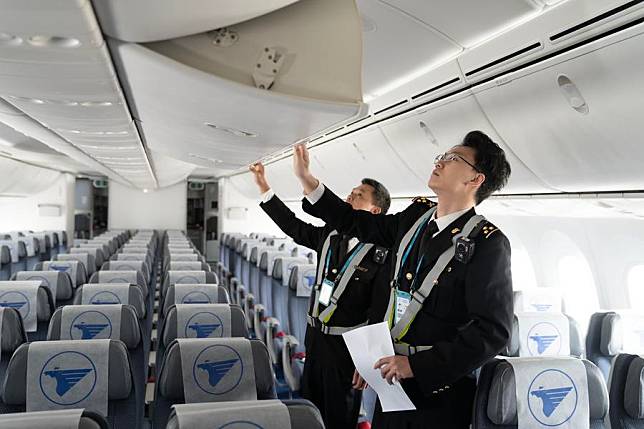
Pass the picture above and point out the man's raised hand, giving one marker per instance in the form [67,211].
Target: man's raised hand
[260,178]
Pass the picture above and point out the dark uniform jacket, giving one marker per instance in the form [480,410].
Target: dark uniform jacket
[355,304]
[467,318]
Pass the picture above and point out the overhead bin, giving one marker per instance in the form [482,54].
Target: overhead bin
[169,19]
[213,111]
[575,119]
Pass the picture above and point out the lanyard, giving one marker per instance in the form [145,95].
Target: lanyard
[408,250]
[346,264]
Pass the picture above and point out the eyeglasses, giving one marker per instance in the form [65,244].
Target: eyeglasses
[451,156]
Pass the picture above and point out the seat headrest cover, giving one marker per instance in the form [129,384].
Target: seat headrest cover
[183,257]
[634,389]
[541,299]
[59,419]
[70,267]
[284,265]
[124,276]
[268,414]
[622,333]
[204,321]
[179,277]
[542,394]
[58,283]
[126,265]
[215,370]
[302,279]
[22,296]
[185,265]
[543,334]
[105,293]
[64,373]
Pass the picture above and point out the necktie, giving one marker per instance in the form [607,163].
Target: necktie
[429,232]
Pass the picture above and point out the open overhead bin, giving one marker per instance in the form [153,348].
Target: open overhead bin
[226,98]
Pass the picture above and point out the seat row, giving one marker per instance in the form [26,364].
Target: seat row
[21,250]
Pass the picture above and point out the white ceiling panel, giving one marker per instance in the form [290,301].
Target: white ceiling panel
[396,46]
[467,22]
[590,138]
[60,73]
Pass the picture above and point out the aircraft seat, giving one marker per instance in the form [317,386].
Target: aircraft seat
[12,335]
[111,293]
[288,414]
[626,392]
[58,282]
[131,276]
[72,419]
[543,337]
[495,404]
[203,293]
[112,393]
[212,370]
[86,259]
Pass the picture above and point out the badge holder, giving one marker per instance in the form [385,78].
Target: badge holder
[326,291]
[403,299]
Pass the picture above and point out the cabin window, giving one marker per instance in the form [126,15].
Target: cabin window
[635,282]
[578,287]
[522,270]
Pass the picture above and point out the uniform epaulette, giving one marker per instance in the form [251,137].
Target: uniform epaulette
[424,200]
[488,229]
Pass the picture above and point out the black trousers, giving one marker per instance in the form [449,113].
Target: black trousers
[449,410]
[326,381]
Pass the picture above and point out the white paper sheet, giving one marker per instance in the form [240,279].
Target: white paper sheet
[367,345]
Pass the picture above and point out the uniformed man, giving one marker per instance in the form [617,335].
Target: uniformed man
[450,302]
[340,301]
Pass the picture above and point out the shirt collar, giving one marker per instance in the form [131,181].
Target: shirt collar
[444,221]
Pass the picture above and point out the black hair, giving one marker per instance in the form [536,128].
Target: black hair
[381,196]
[491,161]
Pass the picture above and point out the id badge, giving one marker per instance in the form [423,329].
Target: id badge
[402,302]
[326,290]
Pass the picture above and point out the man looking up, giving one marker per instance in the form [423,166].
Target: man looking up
[346,273]
[450,301]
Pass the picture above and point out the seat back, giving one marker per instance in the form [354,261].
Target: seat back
[300,284]
[186,277]
[545,334]
[89,322]
[88,261]
[539,299]
[201,321]
[92,374]
[131,277]
[205,293]
[59,283]
[111,293]
[612,333]
[269,414]
[212,370]
[547,404]
[96,252]
[59,419]
[626,392]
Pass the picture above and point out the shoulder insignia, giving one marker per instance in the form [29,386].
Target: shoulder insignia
[489,229]
[424,200]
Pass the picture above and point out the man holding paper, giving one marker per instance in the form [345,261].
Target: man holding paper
[450,304]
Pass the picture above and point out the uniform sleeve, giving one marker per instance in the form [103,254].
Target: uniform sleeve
[488,289]
[366,226]
[301,232]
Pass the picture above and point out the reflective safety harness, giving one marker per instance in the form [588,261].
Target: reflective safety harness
[417,297]
[318,319]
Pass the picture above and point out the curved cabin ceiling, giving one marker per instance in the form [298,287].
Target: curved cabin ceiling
[204,90]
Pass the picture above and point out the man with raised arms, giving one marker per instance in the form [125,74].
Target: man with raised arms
[450,297]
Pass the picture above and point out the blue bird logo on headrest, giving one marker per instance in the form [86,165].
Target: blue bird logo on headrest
[17,305]
[541,307]
[204,330]
[309,280]
[105,298]
[217,370]
[543,341]
[551,398]
[67,378]
[90,330]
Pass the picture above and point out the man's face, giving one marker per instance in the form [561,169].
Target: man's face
[455,174]
[361,198]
